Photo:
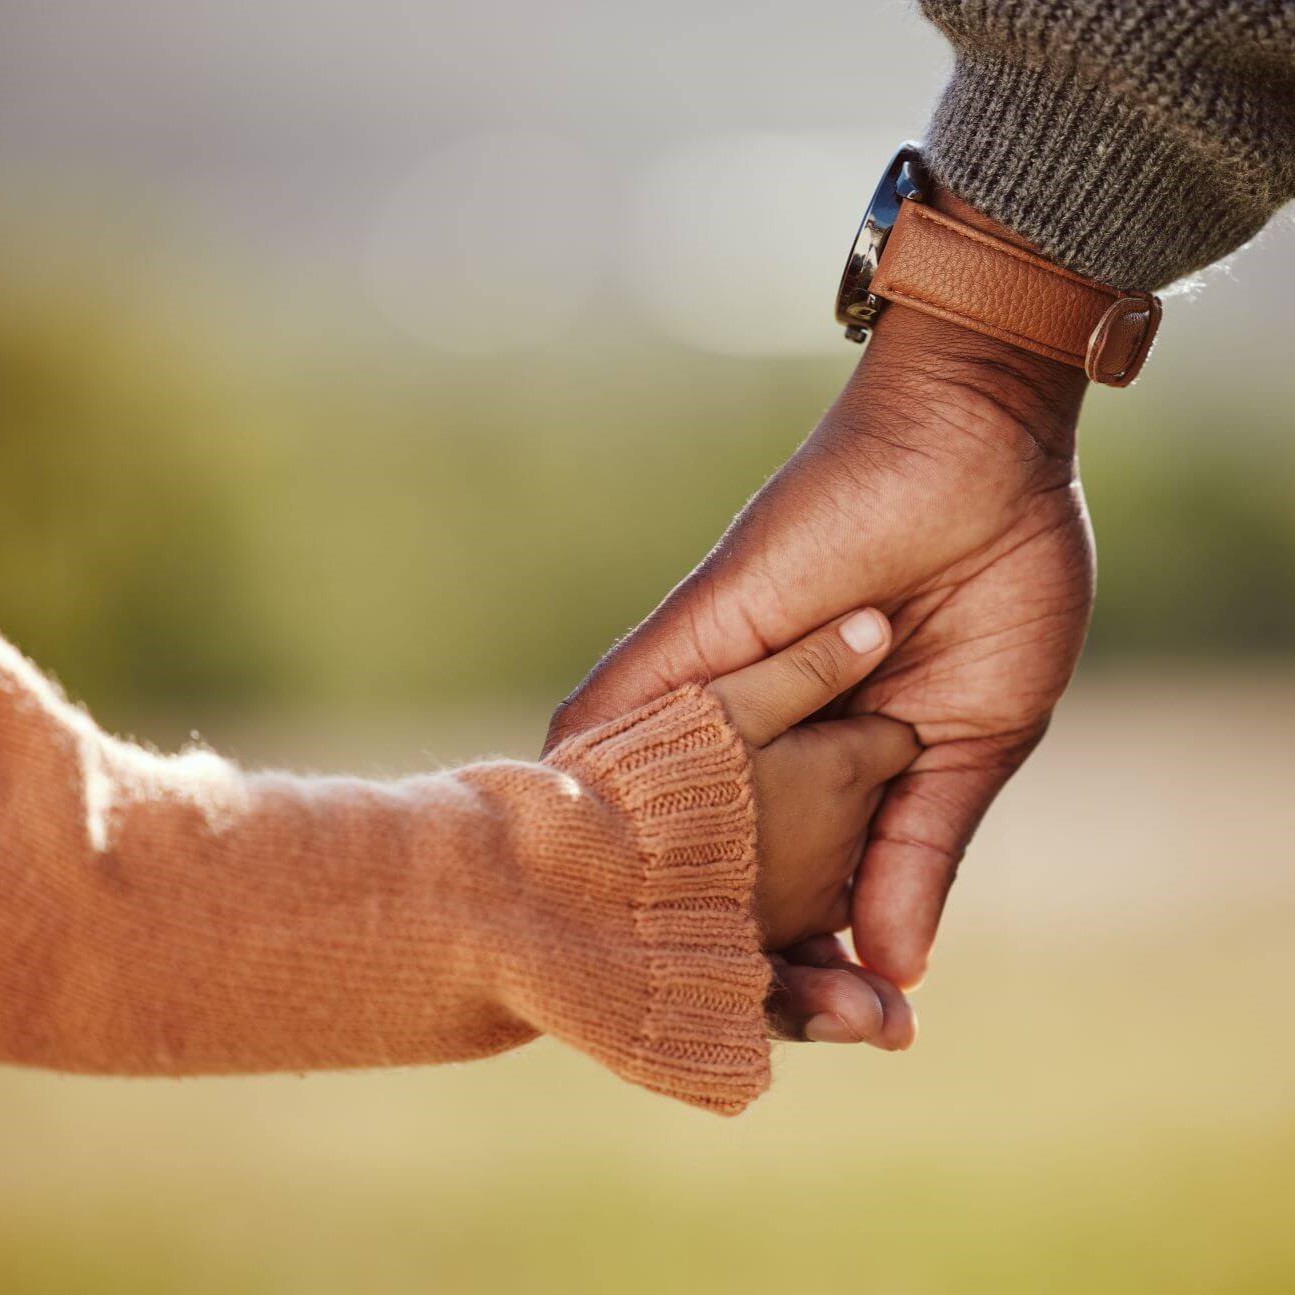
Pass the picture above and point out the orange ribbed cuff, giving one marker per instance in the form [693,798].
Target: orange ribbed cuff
[672,993]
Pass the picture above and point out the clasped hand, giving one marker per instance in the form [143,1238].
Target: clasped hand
[941,488]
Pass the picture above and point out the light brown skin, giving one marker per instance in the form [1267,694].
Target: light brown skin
[941,487]
[817,785]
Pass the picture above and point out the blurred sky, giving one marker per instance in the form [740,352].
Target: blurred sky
[491,176]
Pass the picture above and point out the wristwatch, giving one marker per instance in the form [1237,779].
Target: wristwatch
[908,253]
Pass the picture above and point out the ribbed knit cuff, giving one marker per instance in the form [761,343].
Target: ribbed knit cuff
[1097,183]
[678,1006]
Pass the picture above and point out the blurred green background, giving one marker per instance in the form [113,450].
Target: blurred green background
[364,371]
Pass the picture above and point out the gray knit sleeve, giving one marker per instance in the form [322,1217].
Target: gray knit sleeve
[1132,140]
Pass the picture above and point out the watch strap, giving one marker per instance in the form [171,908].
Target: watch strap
[943,267]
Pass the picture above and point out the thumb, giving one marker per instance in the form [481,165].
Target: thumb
[766,699]
[915,843]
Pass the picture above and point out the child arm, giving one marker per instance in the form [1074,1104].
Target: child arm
[177,915]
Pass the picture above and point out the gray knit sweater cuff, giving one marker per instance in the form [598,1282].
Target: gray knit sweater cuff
[1094,182]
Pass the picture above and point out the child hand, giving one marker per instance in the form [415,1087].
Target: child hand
[816,784]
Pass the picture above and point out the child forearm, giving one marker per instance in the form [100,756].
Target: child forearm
[175,915]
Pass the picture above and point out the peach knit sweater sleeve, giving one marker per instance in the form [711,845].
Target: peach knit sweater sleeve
[176,915]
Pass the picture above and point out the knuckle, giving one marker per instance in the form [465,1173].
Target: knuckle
[897,751]
[908,745]
[843,772]
[818,664]
[837,765]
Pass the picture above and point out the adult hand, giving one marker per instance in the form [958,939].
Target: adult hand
[942,488]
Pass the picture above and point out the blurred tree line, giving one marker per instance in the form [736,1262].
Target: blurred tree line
[189,527]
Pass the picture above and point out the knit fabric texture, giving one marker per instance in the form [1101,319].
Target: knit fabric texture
[1133,141]
[177,916]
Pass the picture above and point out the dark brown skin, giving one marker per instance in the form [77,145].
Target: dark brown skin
[941,487]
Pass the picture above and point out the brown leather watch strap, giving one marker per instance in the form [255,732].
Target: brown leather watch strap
[949,269]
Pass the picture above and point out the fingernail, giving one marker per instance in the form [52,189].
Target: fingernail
[864,632]
[827,1027]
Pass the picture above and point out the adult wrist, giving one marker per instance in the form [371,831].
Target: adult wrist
[934,359]
[971,375]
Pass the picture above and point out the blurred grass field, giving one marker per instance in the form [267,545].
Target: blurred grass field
[195,522]
[1103,1098]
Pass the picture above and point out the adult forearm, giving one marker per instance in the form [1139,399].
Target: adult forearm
[1134,141]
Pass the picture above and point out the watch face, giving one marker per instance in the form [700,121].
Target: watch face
[856,307]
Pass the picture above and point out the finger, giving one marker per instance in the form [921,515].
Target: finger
[873,748]
[899,1031]
[838,1003]
[845,1009]
[813,988]
[767,698]
[915,844]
